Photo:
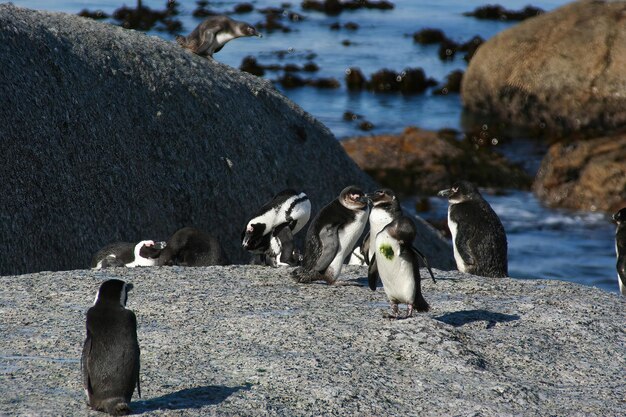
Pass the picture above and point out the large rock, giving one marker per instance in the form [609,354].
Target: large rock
[423,161]
[560,71]
[248,341]
[109,134]
[584,175]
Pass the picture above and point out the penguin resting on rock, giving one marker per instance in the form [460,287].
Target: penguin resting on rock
[269,233]
[192,247]
[213,33]
[110,358]
[396,261]
[144,253]
[332,235]
[478,237]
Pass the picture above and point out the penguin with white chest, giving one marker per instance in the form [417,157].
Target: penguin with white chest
[144,253]
[270,232]
[620,248]
[385,209]
[213,33]
[332,235]
[478,237]
[396,261]
[110,359]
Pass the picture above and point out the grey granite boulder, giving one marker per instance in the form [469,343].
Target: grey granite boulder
[111,135]
[243,340]
[561,71]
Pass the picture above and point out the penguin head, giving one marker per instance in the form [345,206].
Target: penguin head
[243,29]
[383,197]
[461,191]
[353,197]
[253,235]
[620,216]
[148,249]
[113,292]
[403,230]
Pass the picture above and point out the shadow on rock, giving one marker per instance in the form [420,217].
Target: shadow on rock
[459,318]
[188,398]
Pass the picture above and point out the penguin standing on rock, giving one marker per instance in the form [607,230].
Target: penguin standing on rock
[478,237]
[396,261]
[192,247]
[620,248]
[211,35]
[385,209]
[110,358]
[332,236]
[269,233]
[144,253]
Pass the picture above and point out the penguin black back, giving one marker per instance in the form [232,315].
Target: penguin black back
[479,239]
[110,358]
[192,247]
[620,248]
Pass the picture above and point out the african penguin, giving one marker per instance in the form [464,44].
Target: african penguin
[192,247]
[332,235]
[396,261]
[144,253]
[110,358]
[478,237]
[213,33]
[385,209]
[620,248]
[269,233]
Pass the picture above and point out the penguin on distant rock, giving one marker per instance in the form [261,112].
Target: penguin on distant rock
[110,359]
[213,33]
[396,261]
[269,233]
[192,247]
[478,237]
[144,253]
[332,235]
[620,248]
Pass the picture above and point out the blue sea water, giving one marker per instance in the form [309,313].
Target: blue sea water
[543,243]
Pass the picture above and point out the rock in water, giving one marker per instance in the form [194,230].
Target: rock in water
[110,134]
[561,71]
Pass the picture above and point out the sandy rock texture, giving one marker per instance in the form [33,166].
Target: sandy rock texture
[561,71]
[425,161]
[243,340]
[112,135]
[584,175]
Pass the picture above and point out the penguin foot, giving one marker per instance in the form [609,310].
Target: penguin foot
[394,314]
[409,311]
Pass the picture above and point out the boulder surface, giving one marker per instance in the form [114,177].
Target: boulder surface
[111,135]
[243,340]
[584,175]
[561,71]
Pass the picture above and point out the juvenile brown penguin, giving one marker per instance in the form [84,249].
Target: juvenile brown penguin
[213,33]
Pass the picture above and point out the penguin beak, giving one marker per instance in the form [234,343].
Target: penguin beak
[363,199]
[445,193]
[160,245]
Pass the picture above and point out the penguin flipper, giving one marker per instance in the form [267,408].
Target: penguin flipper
[329,242]
[207,38]
[372,273]
[419,303]
[421,256]
[365,248]
[465,251]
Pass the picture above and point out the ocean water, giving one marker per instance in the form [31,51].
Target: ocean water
[543,243]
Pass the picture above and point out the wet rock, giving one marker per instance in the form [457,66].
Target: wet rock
[96,14]
[584,175]
[335,26]
[310,67]
[409,81]
[350,117]
[273,23]
[420,161]
[351,26]
[366,126]
[447,49]
[323,83]
[429,36]
[334,7]
[202,11]
[292,68]
[355,80]
[559,72]
[497,12]
[452,85]
[165,92]
[470,47]
[250,64]
[243,8]
[290,80]
[384,80]
[145,18]
[347,42]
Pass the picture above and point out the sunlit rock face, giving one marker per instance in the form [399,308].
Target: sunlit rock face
[562,71]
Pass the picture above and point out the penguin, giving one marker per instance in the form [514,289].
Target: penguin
[144,253]
[396,261]
[620,249]
[332,235]
[478,237]
[110,359]
[269,233]
[385,209]
[211,35]
[192,247]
